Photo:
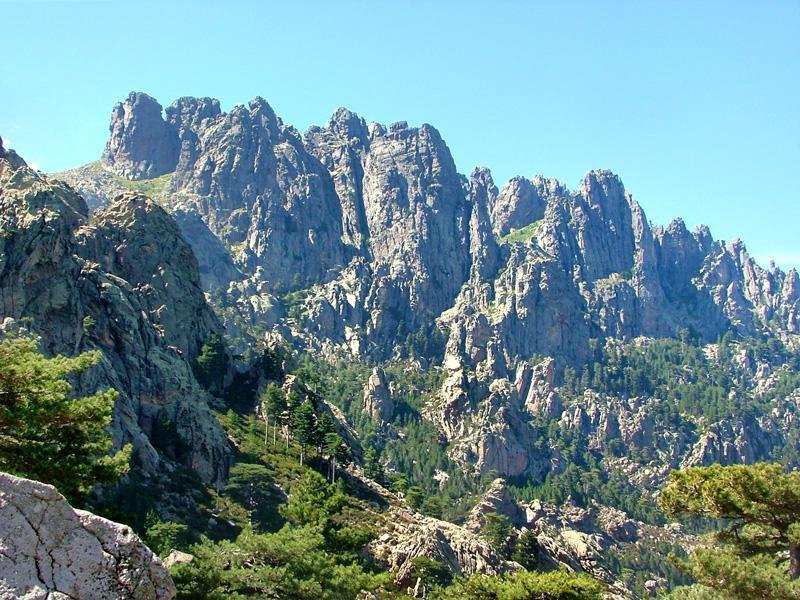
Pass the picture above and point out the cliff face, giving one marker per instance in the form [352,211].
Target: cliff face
[141,145]
[386,237]
[379,239]
[125,283]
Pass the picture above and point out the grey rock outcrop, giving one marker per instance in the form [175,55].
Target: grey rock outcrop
[142,145]
[411,535]
[390,237]
[259,190]
[536,385]
[50,551]
[498,437]
[522,202]
[127,285]
[381,240]
[587,539]
[378,401]
[136,240]
[496,499]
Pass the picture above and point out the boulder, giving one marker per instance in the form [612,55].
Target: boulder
[50,551]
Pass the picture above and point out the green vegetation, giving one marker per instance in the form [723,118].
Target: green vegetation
[496,530]
[585,478]
[524,585]
[294,562]
[307,547]
[419,454]
[649,558]
[149,187]
[522,235]
[310,543]
[46,434]
[212,364]
[162,536]
[758,508]
[526,550]
[679,372]
[431,573]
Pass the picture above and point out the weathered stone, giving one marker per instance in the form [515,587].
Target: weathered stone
[378,401]
[142,145]
[125,284]
[412,535]
[496,499]
[50,551]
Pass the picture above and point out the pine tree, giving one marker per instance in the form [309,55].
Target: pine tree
[325,426]
[273,405]
[414,497]
[47,435]
[526,550]
[372,465]
[495,530]
[304,427]
[312,501]
[759,506]
[292,402]
[212,364]
[337,452]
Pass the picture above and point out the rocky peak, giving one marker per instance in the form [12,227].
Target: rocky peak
[348,126]
[605,234]
[496,499]
[520,203]
[142,145]
[681,254]
[262,114]
[137,240]
[416,213]
[340,148]
[188,113]
[601,188]
[258,188]
[484,251]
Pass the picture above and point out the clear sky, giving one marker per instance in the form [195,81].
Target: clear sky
[696,105]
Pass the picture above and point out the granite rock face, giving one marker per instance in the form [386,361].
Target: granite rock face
[411,535]
[387,237]
[582,539]
[50,551]
[142,145]
[496,499]
[126,284]
[378,401]
[258,189]
[379,239]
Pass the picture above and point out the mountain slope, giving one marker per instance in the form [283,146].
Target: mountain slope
[123,282]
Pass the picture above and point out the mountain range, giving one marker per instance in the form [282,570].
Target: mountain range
[551,337]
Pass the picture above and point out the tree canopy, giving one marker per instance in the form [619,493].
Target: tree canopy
[47,435]
[524,585]
[758,507]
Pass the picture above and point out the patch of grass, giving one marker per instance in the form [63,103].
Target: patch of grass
[522,235]
[149,187]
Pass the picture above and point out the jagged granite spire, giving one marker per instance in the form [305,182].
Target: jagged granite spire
[142,145]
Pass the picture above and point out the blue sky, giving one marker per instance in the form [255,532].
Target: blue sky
[696,105]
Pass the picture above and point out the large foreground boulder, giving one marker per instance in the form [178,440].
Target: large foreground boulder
[50,551]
